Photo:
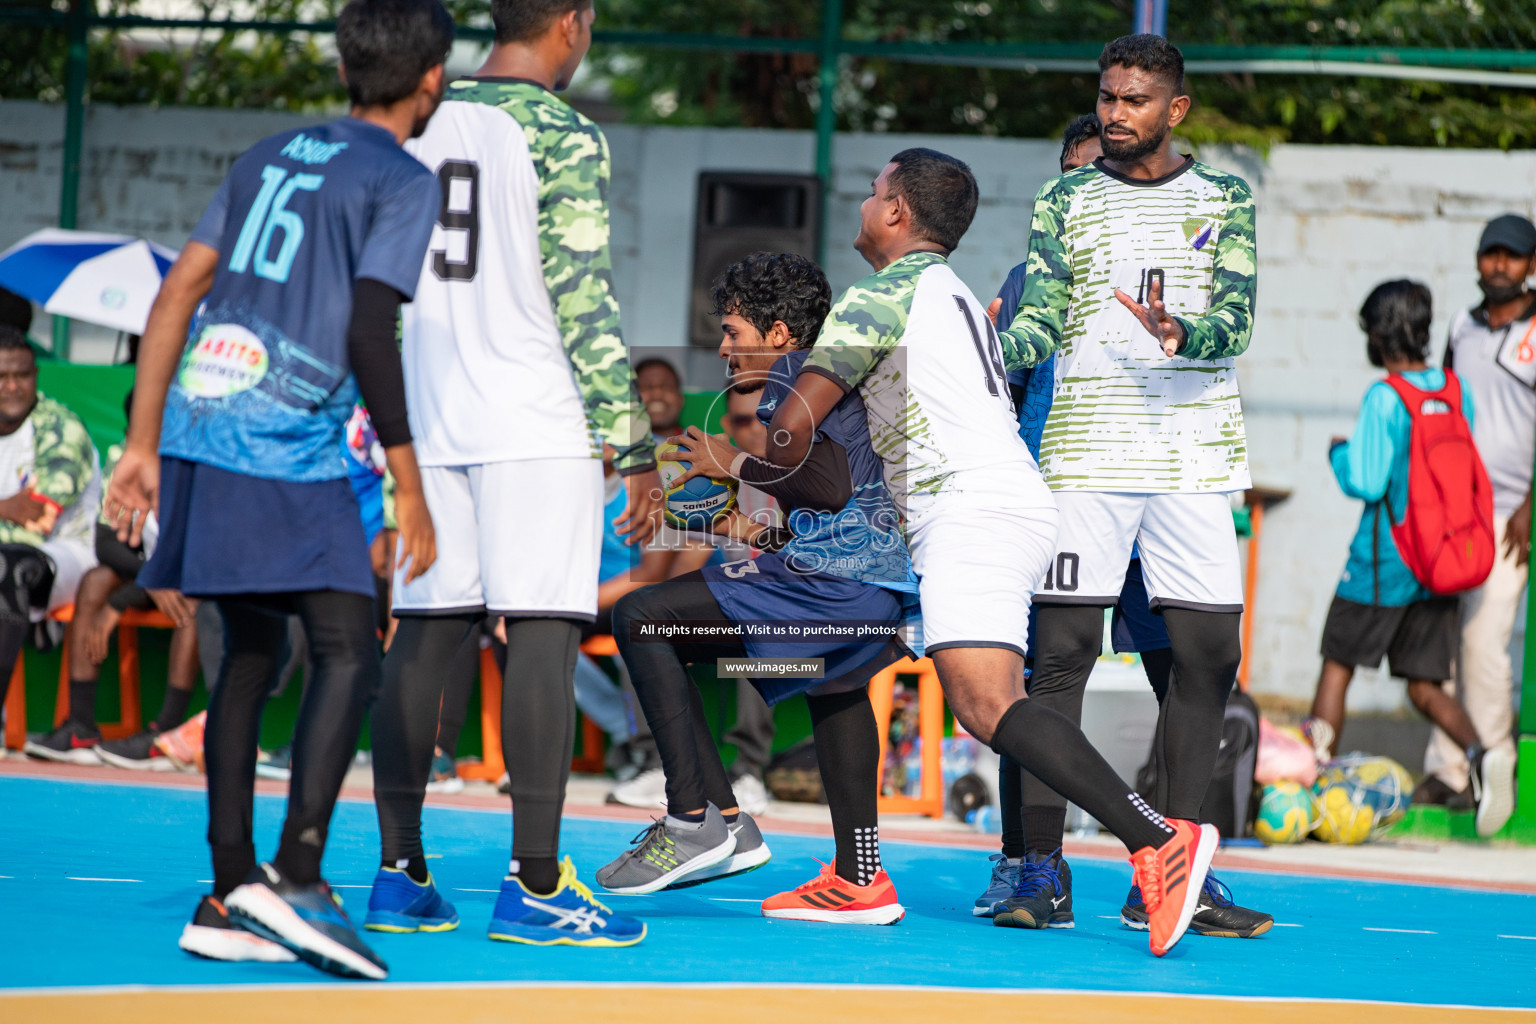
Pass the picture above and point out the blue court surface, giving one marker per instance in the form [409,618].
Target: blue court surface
[97,879]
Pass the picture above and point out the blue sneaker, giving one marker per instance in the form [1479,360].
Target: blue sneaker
[304,919]
[1043,897]
[1005,878]
[399,903]
[572,916]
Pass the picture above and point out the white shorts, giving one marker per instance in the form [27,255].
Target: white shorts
[518,539]
[72,559]
[1187,543]
[976,568]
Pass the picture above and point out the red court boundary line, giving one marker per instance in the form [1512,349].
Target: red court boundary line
[1226,859]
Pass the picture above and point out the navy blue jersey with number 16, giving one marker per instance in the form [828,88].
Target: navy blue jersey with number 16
[265,387]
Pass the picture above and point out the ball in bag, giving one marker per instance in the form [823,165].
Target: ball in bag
[1378,782]
[1344,817]
[694,504]
[1285,813]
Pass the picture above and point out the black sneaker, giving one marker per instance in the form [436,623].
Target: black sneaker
[137,752]
[70,743]
[276,765]
[306,920]
[1216,914]
[1436,792]
[1043,896]
[210,934]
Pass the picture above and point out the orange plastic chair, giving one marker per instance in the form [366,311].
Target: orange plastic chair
[16,708]
[930,727]
[130,719]
[491,764]
[594,742]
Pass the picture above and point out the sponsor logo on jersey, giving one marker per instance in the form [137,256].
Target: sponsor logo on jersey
[226,360]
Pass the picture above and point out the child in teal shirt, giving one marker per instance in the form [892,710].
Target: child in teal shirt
[1380,608]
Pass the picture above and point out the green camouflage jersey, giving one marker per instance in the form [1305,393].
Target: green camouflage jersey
[927,362]
[51,456]
[1126,417]
[512,346]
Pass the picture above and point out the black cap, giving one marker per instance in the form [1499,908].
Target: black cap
[1511,231]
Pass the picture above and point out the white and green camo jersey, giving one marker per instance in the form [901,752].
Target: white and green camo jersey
[1125,416]
[927,363]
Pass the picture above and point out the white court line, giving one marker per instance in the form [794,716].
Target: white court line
[72,878]
[1281,924]
[1401,931]
[1531,938]
[7,876]
[633,895]
[476,890]
[731,899]
[335,885]
[1109,917]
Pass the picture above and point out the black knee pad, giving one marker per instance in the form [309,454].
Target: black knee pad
[26,581]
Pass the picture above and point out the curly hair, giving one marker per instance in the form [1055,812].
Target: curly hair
[1395,318]
[769,286]
[1078,132]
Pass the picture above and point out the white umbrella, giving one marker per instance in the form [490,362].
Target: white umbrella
[102,279]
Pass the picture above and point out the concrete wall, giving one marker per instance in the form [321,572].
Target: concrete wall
[1333,222]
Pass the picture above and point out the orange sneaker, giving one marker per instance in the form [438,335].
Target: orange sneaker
[184,744]
[831,898]
[1175,873]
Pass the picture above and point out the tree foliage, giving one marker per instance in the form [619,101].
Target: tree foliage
[878,94]
[295,70]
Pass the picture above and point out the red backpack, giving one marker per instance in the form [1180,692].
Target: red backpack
[1446,537]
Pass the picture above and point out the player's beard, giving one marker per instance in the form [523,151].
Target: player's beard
[738,384]
[1496,294]
[1135,148]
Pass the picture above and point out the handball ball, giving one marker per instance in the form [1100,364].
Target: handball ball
[697,503]
[1285,813]
[1379,783]
[1343,818]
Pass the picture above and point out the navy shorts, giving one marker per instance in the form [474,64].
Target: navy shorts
[1133,627]
[228,533]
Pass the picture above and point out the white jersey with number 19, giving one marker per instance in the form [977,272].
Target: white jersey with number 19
[512,347]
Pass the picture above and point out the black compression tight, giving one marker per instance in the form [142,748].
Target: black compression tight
[1040,820]
[670,701]
[1068,639]
[848,752]
[344,648]
[1206,649]
[456,690]
[538,735]
[423,654]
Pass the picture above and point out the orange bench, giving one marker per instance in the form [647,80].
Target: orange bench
[491,764]
[130,719]
[930,728]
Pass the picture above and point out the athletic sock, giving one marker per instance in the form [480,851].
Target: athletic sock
[1044,828]
[82,702]
[848,751]
[685,820]
[731,819]
[1058,753]
[231,865]
[415,867]
[539,875]
[173,709]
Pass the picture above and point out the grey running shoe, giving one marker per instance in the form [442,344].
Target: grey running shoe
[750,854]
[664,852]
[1005,878]
[276,765]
